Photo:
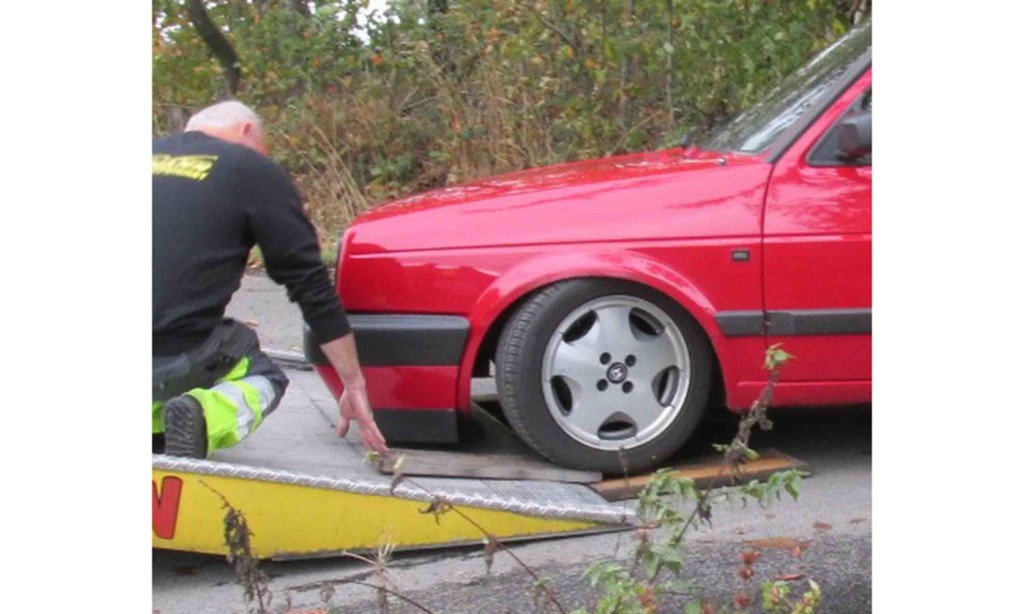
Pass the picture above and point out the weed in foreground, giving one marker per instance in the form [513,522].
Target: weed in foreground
[669,509]
[238,539]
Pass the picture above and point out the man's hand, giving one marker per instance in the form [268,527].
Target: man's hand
[355,405]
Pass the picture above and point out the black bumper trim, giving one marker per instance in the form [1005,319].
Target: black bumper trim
[418,426]
[401,340]
[740,323]
[797,322]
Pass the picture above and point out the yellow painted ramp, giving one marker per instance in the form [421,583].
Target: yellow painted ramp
[292,515]
[305,492]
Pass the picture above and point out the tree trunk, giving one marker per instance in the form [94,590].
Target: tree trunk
[301,7]
[670,50]
[436,10]
[219,45]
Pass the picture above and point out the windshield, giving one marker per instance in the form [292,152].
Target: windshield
[754,130]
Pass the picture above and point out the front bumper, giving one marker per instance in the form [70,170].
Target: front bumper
[411,365]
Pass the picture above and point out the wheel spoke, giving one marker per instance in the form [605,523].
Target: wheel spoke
[590,342]
[643,407]
[577,362]
[653,355]
[593,409]
[613,327]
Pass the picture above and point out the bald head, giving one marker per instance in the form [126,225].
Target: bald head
[231,121]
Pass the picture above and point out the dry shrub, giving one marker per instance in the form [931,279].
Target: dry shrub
[438,93]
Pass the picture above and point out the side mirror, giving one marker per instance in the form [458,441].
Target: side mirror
[855,136]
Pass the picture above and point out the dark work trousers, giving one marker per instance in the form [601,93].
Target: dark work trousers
[237,385]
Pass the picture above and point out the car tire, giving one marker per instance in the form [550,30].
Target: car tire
[603,375]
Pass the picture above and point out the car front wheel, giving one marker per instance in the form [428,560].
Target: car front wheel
[603,375]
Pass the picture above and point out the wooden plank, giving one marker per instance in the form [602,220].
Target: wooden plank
[487,449]
[706,472]
[497,466]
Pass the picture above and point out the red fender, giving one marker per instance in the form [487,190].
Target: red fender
[535,273]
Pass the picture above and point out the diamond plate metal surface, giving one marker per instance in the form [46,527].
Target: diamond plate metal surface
[543,499]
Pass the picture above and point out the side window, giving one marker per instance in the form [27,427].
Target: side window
[826,152]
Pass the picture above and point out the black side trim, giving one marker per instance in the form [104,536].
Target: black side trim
[419,426]
[795,322]
[820,322]
[740,323]
[401,340]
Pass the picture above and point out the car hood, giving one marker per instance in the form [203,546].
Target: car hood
[657,195]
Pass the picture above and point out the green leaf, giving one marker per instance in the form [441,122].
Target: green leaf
[793,488]
[649,562]
[669,557]
[776,357]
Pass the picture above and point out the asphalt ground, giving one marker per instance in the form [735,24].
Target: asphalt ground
[831,523]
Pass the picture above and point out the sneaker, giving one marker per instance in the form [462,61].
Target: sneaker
[185,427]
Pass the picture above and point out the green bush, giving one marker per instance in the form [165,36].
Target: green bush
[433,92]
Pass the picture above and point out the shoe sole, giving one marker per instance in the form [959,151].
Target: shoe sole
[185,429]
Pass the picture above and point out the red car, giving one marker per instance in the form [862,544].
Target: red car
[614,296]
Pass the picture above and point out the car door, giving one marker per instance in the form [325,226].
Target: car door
[817,257]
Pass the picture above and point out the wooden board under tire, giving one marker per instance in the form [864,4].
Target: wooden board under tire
[487,450]
[707,471]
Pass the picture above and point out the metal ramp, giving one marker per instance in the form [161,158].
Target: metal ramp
[304,493]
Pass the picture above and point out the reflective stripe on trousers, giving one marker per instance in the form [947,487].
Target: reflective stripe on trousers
[234,409]
[237,403]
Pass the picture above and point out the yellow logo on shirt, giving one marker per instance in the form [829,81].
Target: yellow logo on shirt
[189,167]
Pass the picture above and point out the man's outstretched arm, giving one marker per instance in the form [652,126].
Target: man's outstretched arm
[292,257]
[354,403]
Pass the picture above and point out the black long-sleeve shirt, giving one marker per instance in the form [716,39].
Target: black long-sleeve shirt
[212,201]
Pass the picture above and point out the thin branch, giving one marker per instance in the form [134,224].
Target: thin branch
[560,32]
[404,598]
[359,557]
[499,544]
[629,132]
[756,414]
